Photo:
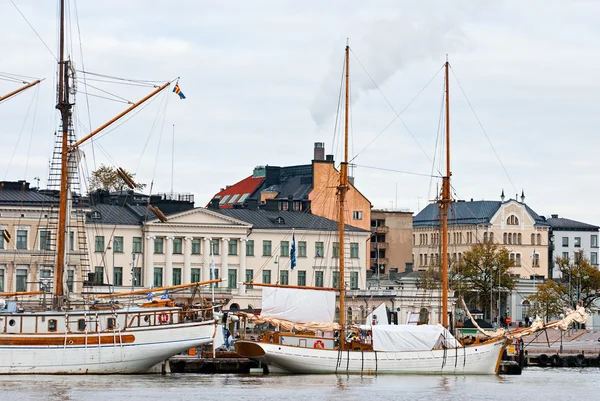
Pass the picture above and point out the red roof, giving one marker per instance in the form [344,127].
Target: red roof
[238,192]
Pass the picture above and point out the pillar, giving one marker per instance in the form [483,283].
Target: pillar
[242,270]
[148,265]
[168,273]
[224,273]
[187,253]
[206,267]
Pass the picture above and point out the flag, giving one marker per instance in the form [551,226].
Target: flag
[149,297]
[165,295]
[178,91]
[293,252]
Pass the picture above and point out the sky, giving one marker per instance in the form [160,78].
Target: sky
[262,81]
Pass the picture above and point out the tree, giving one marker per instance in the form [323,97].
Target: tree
[429,279]
[580,278]
[549,301]
[483,270]
[106,178]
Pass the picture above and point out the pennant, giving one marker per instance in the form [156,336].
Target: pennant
[177,90]
[293,252]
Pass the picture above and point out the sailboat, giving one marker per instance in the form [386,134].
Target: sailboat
[393,349]
[99,338]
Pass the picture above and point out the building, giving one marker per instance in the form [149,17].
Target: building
[570,236]
[510,223]
[391,242]
[307,188]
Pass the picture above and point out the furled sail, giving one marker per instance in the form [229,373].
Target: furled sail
[298,305]
[409,337]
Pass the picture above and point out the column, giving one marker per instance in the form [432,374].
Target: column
[224,273]
[148,265]
[206,253]
[168,273]
[242,271]
[187,252]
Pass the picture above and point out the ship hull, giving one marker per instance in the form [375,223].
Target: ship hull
[482,359]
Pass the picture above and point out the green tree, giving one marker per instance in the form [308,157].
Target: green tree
[106,178]
[581,279]
[483,271]
[429,279]
[549,301]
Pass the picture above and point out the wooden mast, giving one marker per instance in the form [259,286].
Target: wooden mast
[21,89]
[342,189]
[444,205]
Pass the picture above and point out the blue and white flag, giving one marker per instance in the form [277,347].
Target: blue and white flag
[149,297]
[165,295]
[293,252]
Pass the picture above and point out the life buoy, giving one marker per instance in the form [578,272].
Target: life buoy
[319,344]
[164,318]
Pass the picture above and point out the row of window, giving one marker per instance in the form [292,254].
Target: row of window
[44,243]
[457,238]
[434,258]
[44,285]
[593,257]
[577,241]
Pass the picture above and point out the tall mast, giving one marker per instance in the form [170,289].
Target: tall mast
[444,205]
[342,189]
[64,107]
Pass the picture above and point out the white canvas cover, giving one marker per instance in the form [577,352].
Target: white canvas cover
[381,313]
[408,337]
[298,305]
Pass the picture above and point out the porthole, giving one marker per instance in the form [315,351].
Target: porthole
[11,322]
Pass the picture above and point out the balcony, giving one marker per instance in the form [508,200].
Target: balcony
[382,261]
[379,245]
[380,229]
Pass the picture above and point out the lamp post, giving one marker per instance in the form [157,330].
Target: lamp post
[492,295]
[562,316]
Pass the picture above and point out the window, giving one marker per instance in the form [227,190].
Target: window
[195,275]
[1,239]
[536,260]
[539,239]
[284,277]
[250,247]
[594,258]
[354,250]
[353,280]
[565,255]
[214,246]
[266,248]
[266,277]
[1,280]
[224,199]
[159,245]
[519,241]
[21,284]
[176,276]
[565,241]
[284,248]
[99,243]
[71,240]
[137,245]
[518,260]
[357,215]
[336,250]
[525,306]
[319,279]
[492,237]
[52,323]
[234,198]
[137,276]
[177,246]
[594,241]
[243,198]
[118,276]
[485,237]
[21,239]
[196,246]
[118,245]
[301,249]
[233,247]
[301,278]
[249,277]
[512,220]
[577,242]
[98,275]
[70,279]
[45,274]
[335,279]
[158,277]
[111,323]
[44,240]
[318,249]
[81,324]
[232,278]
[509,238]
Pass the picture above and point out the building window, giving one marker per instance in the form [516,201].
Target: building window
[335,279]
[284,277]
[594,241]
[250,247]
[518,260]
[71,240]
[233,248]
[492,238]
[594,258]
[509,239]
[319,279]
[266,248]
[354,250]
[512,221]
[136,245]
[118,276]
[176,276]
[565,241]
[284,248]
[357,215]
[21,239]
[99,243]
[214,246]
[319,249]
[159,245]
[177,246]
[98,275]
[21,284]
[266,276]
[118,245]
[577,242]
[519,240]
[301,249]
[158,277]
[354,280]
[249,277]
[301,277]
[195,275]
[336,250]
[232,278]
[70,279]
[137,276]
[44,240]
[536,260]
[196,246]
[1,280]
[565,255]
[539,239]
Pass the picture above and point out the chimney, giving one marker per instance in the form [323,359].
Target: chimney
[214,204]
[290,202]
[554,216]
[252,203]
[319,151]
[329,158]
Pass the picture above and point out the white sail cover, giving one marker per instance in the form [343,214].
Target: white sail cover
[381,313]
[298,305]
[408,337]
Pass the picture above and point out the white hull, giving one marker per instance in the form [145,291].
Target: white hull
[480,359]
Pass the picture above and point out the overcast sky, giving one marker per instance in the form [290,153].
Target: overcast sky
[262,80]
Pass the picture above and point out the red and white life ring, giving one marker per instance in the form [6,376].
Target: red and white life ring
[319,344]
[164,318]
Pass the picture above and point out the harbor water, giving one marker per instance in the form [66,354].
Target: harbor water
[534,384]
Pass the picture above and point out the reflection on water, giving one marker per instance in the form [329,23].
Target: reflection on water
[551,384]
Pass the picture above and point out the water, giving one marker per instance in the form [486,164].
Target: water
[533,384]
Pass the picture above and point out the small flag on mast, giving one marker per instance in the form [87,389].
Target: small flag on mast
[293,252]
[177,90]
